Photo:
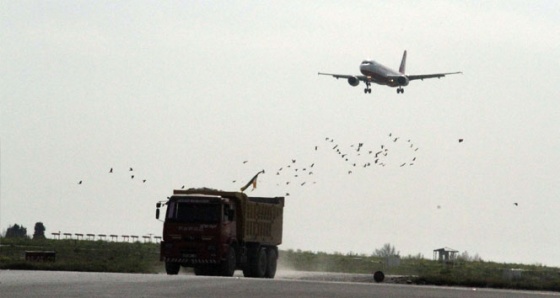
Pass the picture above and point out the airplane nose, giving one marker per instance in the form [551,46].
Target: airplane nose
[362,68]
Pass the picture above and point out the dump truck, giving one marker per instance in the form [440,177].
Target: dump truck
[217,232]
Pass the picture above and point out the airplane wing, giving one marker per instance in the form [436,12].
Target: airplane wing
[430,76]
[338,76]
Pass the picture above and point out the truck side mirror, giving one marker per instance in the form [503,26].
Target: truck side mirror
[157,213]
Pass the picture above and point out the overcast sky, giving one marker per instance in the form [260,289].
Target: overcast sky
[184,92]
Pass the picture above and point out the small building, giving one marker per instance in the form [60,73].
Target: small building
[512,273]
[445,254]
[392,261]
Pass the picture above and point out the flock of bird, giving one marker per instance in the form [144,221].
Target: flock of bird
[291,173]
[130,170]
[359,155]
[355,156]
[295,173]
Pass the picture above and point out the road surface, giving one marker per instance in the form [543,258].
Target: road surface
[14,283]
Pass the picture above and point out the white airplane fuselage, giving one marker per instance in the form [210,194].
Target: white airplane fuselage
[382,75]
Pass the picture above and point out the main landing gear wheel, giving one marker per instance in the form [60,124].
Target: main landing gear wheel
[400,90]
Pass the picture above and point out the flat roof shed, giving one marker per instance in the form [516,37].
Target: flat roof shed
[445,254]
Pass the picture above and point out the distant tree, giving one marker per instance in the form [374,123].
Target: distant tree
[39,231]
[386,251]
[465,256]
[16,231]
[418,256]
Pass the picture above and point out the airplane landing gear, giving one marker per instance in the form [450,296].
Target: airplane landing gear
[368,89]
[400,90]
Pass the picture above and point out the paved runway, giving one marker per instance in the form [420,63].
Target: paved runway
[81,284]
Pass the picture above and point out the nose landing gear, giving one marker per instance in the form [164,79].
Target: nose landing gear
[368,89]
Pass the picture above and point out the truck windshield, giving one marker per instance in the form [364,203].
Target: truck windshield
[193,212]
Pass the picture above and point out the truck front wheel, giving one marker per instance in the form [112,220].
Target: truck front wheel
[172,268]
[229,264]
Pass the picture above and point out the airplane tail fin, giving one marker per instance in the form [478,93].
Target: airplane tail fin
[403,63]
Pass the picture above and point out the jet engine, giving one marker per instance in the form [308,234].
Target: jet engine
[353,81]
[403,81]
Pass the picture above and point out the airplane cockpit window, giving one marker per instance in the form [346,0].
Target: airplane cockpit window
[365,62]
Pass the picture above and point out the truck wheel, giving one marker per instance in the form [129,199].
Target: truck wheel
[228,266]
[272,257]
[172,268]
[260,264]
[248,266]
[256,263]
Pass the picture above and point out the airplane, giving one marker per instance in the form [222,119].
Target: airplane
[373,72]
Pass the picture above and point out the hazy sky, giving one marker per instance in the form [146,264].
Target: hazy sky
[184,92]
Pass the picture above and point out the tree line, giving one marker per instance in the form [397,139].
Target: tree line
[19,231]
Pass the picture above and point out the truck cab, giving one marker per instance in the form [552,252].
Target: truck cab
[197,229]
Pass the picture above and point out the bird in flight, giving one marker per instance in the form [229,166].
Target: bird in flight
[111,170]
